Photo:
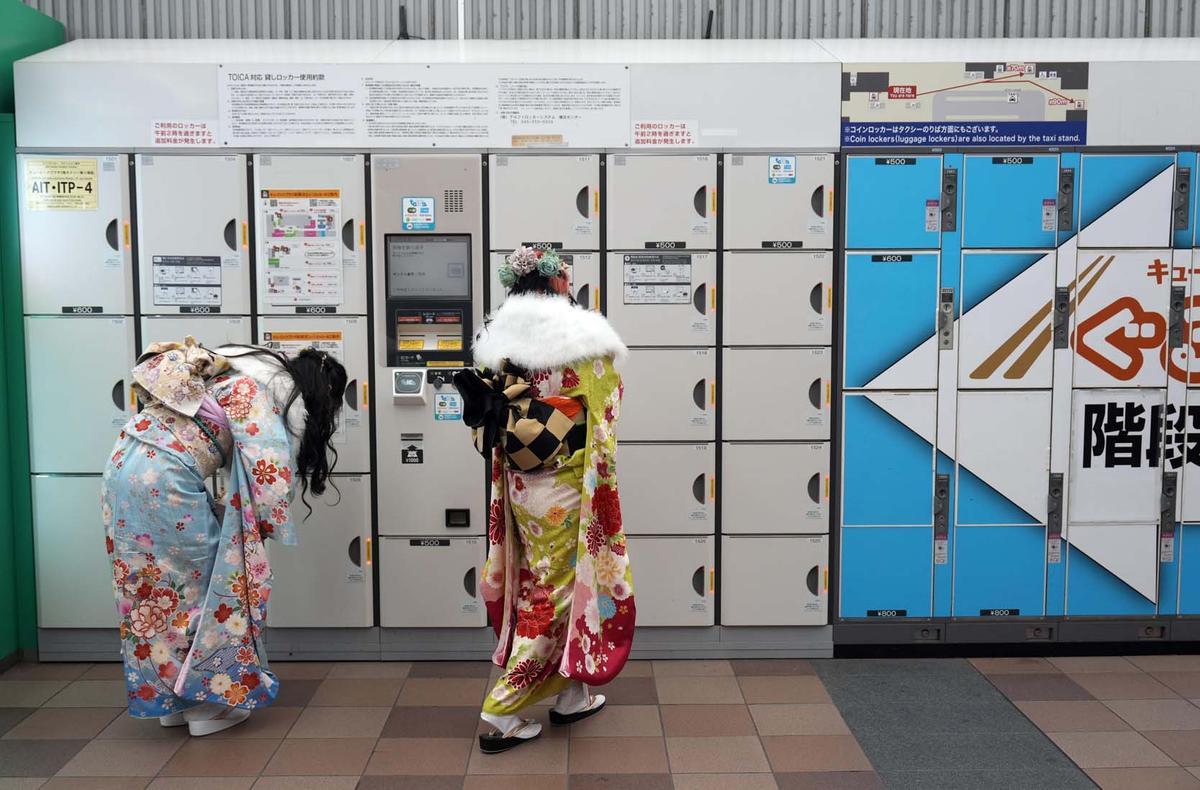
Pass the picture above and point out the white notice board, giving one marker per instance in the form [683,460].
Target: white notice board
[424,106]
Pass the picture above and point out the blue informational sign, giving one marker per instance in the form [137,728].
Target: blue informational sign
[960,134]
[418,213]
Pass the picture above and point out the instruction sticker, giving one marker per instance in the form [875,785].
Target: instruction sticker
[1049,214]
[186,280]
[418,213]
[781,170]
[447,406]
[657,279]
[303,251]
[61,185]
[932,215]
[412,448]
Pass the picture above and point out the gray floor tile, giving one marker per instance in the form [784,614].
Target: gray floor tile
[920,751]
[937,717]
[11,717]
[832,667]
[1053,779]
[902,686]
[36,758]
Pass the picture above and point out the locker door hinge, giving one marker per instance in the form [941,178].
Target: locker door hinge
[941,519]
[1175,326]
[1054,502]
[949,200]
[1062,317]
[1180,202]
[1066,202]
[1166,524]
[946,319]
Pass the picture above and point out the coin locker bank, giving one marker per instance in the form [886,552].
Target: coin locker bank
[880,389]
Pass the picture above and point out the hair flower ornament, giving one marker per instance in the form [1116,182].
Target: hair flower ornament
[527,260]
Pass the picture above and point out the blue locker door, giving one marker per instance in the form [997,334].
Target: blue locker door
[1010,201]
[893,202]
[1126,199]
[891,321]
[887,494]
[1003,467]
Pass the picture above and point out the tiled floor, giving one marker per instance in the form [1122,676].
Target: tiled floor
[834,725]
[1129,722]
[670,724]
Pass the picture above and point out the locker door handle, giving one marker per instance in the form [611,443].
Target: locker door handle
[814,394]
[698,394]
[698,488]
[1183,192]
[118,395]
[1175,327]
[469,583]
[698,581]
[700,201]
[818,201]
[814,298]
[355,551]
[582,294]
[348,234]
[814,576]
[698,298]
[231,234]
[581,201]
[352,394]
[110,233]
[814,488]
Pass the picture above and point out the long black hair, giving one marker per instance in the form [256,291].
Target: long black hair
[321,381]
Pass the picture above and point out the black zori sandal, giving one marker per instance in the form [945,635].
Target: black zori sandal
[595,705]
[494,742]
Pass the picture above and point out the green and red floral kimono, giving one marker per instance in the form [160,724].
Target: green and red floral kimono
[557,582]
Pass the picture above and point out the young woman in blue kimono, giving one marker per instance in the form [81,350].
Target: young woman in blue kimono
[190,572]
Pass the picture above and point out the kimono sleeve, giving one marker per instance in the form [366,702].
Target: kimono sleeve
[264,449]
[600,633]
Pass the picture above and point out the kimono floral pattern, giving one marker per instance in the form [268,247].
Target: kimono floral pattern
[558,582]
[192,583]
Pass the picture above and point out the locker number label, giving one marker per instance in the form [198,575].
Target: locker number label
[61,185]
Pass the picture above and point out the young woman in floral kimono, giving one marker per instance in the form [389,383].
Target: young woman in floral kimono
[557,581]
[190,575]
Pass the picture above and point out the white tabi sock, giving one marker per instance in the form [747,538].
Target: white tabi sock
[573,698]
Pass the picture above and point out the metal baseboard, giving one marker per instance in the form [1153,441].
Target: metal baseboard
[471,644]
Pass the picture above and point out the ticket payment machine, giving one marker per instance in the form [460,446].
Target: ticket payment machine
[428,263]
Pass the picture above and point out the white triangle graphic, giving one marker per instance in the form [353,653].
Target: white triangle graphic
[1128,551]
[1140,220]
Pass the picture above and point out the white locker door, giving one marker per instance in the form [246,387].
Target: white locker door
[670,395]
[753,379]
[545,200]
[193,234]
[344,338]
[774,580]
[673,580]
[210,331]
[431,582]
[778,298]
[79,398]
[76,255]
[584,276]
[774,488]
[311,229]
[778,201]
[74,575]
[663,298]
[325,581]
[667,489]
[662,202]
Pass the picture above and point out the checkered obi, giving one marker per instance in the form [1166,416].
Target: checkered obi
[501,413]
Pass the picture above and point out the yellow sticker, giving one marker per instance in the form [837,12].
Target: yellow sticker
[828,392]
[126,234]
[410,343]
[712,395]
[714,200]
[449,363]
[825,582]
[366,395]
[596,201]
[449,344]
[61,185]
[712,488]
[245,234]
[368,551]
[362,235]
[713,299]
[712,580]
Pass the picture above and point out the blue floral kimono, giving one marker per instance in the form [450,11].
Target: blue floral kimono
[191,578]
